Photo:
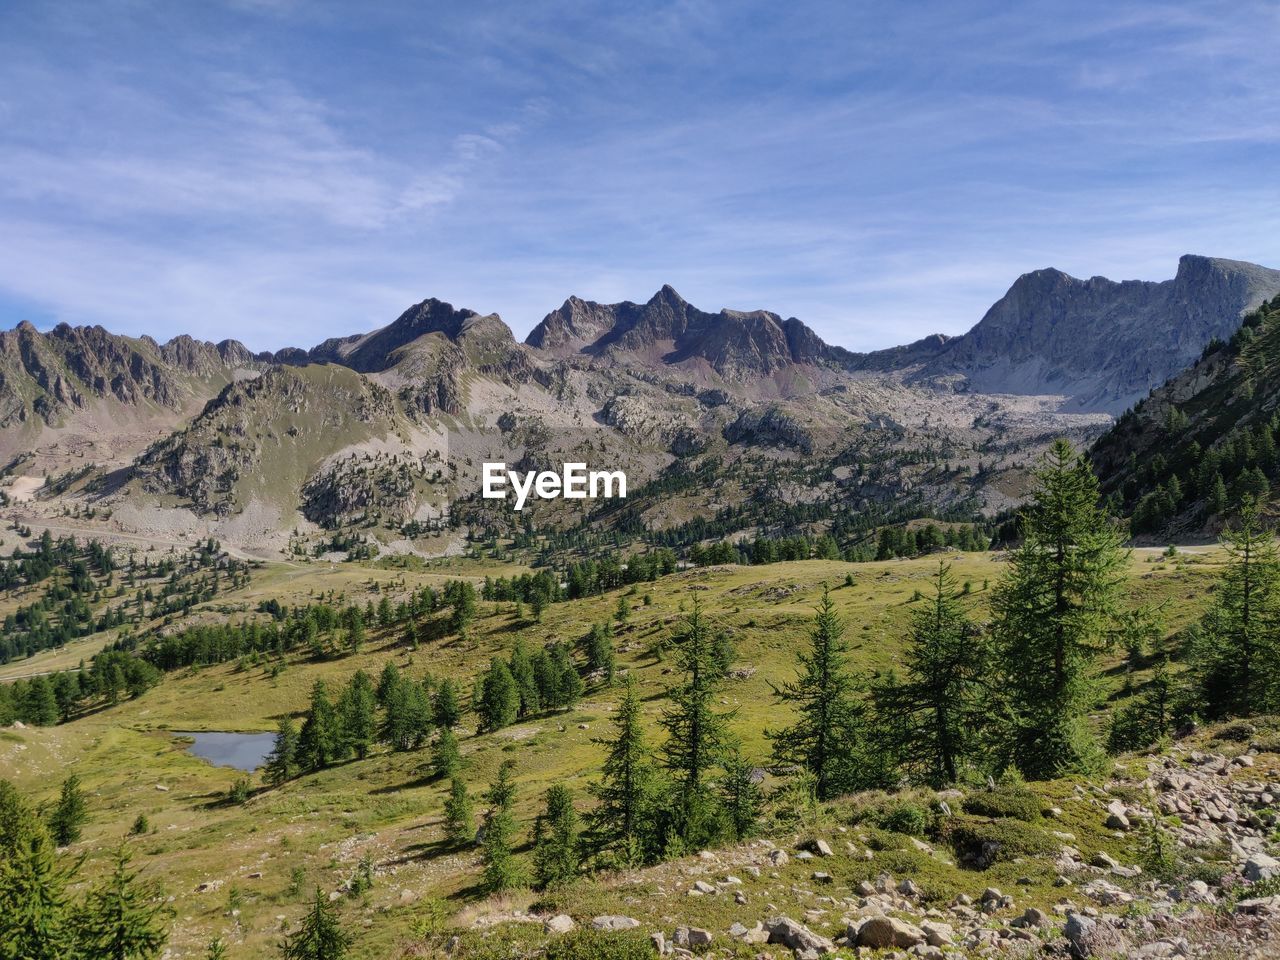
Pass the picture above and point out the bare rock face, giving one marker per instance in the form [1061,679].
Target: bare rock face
[1103,343]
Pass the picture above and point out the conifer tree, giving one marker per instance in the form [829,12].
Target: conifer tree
[623,793]
[698,738]
[526,686]
[42,703]
[388,680]
[320,742]
[406,725]
[1053,613]
[557,853]
[501,869]
[499,698]
[69,814]
[459,823]
[282,762]
[320,937]
[124,919]
[446,711]
[938,708]
[356,712]
[36,917]
[1238,657]
[600,655]
[740,796]
[827,736]
[446,759]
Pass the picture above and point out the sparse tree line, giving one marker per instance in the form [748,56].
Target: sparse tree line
[112,676]
[80,578]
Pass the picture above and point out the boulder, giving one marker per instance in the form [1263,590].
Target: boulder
[1261,867]
[796,936]
[560,923]
[879,933]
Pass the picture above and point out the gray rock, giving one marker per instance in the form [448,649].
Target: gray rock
[879,933]
[1260,867]
[796,936]
[614,922]
[560,923]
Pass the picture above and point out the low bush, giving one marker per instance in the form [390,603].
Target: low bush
[981,843]
[1005,801]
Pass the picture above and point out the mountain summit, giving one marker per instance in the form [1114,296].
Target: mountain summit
[1103,344]
[737,344]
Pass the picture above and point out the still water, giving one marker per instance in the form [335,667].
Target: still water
[244,751]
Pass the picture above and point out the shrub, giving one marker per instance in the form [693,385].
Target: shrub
[595,945]
[1004,801]
[979,843]
[906,818]
[1238,731]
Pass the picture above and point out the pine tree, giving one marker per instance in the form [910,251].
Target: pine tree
[320,937]
[501,869]
[526,686]
[1217,495]
[356,712]
[827,736]
[557,853]
[698,738]
[446,759]
[1053,614]
[622,795]
[1148,716]
[938,708]
[42,703]
[446,710]
[600,655]
[459,824]
[69,814]
[320,742]
[36,917]
[406,725]
[388,680]
[499,698]
[740,796]
[124,919]
[282,762]
[1237,660]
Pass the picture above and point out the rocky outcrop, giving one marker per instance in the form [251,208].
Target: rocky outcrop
[1101,343]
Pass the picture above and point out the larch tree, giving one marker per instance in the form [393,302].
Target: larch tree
[1053,613]
[623,792]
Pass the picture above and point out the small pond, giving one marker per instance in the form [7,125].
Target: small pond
[244,751]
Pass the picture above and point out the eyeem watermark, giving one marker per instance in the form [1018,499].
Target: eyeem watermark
[574,482]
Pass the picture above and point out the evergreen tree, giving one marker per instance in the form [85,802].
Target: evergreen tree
[406,725]
[499,698]
[600,655]
[462,595]
[622,795]
[827,736]
[740,796]
[1054,612]
[446,759]
[388,680]
[501,869]
[282,762]
[320,937]
[124,919]
[459,824]
[1238,657]
[698,738]
[320,742]
[1148,717]
[36,918]
[356,712]
[557,853]
[446,709]
[526,685]
[42,703]
[938,710]
[69,814]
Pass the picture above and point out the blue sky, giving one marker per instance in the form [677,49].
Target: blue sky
[281,171]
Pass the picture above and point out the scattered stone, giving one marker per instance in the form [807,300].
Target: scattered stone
[1260,867]
[614,922]
[823,849]
[778,858]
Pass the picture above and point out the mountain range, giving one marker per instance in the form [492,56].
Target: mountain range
[384,430]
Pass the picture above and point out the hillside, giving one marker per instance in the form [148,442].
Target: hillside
[1181,460]
[242,871]
[83,395]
